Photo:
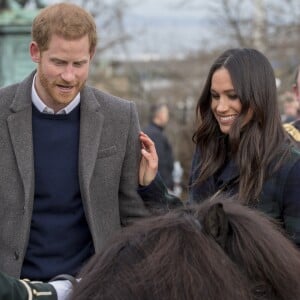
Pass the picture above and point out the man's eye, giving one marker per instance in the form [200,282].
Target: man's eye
[79,64]
[58,62]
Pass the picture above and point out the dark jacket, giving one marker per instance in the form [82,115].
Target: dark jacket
[157,198]
[15,289]
[279,198]
[164,153]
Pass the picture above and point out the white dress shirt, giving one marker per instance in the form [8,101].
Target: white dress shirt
[42,107]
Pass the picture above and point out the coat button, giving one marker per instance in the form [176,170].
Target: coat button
[16,255]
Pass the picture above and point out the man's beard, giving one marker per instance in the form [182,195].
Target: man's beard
[59,98]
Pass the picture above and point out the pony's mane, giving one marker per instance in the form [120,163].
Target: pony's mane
[217,250]
[164,257]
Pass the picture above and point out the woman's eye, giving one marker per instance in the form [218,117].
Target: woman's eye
[233,97]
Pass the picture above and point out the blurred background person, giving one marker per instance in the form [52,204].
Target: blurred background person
[293,128]
[159,118]
[177,178]
[290,108]
[296,90]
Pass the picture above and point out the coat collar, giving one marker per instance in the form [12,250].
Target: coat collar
[227,175]
[22,98]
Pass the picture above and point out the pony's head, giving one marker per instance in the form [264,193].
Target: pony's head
[166,257]
[256,244]
[218,250]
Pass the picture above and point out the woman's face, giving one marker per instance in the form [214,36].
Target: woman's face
[225,104]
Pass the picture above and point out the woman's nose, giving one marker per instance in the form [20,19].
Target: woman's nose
[222,104]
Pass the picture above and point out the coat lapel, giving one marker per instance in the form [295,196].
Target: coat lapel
[20,130]
[91,123]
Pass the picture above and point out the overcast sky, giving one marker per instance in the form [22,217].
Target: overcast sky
[160,27]
[165,8]
[166,28]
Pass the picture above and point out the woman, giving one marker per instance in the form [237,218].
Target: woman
[241,146]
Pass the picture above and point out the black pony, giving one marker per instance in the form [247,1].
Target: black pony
[219,250]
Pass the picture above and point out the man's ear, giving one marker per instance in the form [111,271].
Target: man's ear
[296,90]
[216,224]
[92,54]
[35,52]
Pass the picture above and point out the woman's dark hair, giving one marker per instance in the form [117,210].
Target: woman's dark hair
[254,146]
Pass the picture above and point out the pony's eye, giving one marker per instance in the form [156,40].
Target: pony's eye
[261,291]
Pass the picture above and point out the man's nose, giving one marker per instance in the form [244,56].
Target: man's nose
[68,74]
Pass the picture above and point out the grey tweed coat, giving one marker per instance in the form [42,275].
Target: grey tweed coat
[108,168]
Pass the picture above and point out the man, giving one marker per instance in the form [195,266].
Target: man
[293,128]
[158,121]
[290,108]
[69,154]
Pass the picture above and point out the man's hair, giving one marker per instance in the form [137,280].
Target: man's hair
[155,108]
[65,20]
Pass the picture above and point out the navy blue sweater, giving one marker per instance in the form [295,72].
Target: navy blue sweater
[60,240]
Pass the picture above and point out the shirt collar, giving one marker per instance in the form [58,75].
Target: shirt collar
[43,108]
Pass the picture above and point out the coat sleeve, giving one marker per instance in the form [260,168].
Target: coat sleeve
[15,289]
[131,205]
[157,198]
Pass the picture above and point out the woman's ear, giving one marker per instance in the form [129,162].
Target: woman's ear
[216,224]
[35,52]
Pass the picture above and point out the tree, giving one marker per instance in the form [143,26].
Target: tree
[109,17]
[272,26]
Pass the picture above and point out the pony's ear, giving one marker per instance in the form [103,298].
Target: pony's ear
[216,224]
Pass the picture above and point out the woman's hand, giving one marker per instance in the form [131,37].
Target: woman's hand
[149,161]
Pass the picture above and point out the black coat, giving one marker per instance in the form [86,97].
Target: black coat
[279,197]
